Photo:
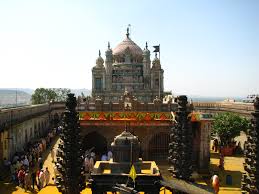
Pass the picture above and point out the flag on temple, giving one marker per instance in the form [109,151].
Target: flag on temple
[157,48]
[132,173]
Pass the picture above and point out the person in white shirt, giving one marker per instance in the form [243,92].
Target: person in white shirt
[41,179]
[109,155]
[215,183]
[104,157]
[92,155]
[26,162]
[47,176]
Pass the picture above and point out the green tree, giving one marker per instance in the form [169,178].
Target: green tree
[44,95]
[227,126]
[61,94]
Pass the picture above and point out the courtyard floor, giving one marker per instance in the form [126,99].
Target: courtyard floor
[233,167]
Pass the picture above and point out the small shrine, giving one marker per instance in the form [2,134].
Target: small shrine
[126,150]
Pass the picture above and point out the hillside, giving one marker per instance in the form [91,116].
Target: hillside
[12,98]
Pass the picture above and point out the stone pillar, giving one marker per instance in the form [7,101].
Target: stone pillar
[204,153]
[250,179]
[157,104]
[180,146]
[99,104]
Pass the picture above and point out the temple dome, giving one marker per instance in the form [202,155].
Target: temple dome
[127,45]
[156,63]
[99,61]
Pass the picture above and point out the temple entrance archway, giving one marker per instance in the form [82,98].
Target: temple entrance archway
[96,140]
[158,147]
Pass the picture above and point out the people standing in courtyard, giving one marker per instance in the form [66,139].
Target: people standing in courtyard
[26,163]
[87,164]
[33,178]
[21,175]
[109,154]
[91,164]
[41,179]
[47,176]
[93,156]
[215,183]
[104,157]
[27,181]
[215,145]
[40,162]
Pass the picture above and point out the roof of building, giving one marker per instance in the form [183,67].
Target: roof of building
[127,45]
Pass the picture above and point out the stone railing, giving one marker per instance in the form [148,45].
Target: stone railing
[12,116]
[236,107]
[120,106]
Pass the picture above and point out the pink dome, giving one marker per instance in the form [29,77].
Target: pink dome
[130,46]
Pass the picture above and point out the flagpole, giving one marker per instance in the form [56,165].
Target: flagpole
[159,52]
[159,83]
[159,74]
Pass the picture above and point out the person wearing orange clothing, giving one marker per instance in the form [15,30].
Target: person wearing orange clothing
[215,183]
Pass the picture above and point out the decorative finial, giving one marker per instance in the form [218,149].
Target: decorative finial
[99,53]
[127,32]
[108,45]
[146,45]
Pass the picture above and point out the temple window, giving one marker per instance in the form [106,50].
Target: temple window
[98,83]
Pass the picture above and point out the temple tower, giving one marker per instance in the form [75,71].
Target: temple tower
[146,67]
[157,77]
[98,77]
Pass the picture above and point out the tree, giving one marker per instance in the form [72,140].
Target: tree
[61,94]
[45,95]
[227,126]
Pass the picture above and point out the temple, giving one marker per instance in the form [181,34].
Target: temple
[127,68]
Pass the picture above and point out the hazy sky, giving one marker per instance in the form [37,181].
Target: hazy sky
[208,48]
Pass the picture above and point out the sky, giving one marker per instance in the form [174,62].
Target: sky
[208,47]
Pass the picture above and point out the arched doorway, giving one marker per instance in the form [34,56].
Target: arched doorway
[158,147]
[97,141]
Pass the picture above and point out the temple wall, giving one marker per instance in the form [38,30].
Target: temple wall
[204,155]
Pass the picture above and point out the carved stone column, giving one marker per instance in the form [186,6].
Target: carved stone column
[250,179]
[70,154]
[180,146]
